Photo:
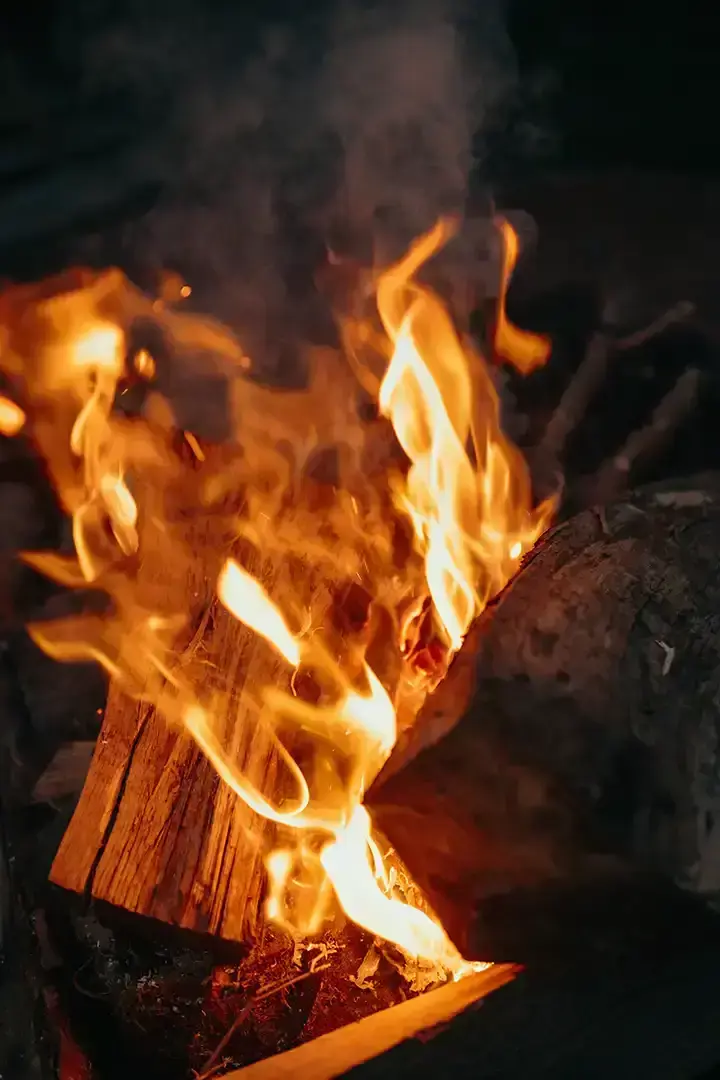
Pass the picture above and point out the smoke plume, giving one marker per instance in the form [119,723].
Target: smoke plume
[267,134]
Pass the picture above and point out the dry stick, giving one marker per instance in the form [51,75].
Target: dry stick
[612,476]
[586,382]
[210,1065]
[677,313]
[588,377]
[572,407]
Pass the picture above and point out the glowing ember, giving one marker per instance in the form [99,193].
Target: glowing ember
[460,497]
[12,418]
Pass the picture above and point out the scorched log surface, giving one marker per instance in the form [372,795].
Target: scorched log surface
[592,732]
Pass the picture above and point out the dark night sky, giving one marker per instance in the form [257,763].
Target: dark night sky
[632,84]
[635,83]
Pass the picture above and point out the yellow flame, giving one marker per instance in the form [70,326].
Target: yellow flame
[12,418]
[120,503]
[245,598]
[145,364]
[464,489]
[98,349]
[472,519]
[347,863]
[349,857]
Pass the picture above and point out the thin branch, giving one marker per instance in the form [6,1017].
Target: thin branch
[584,385]
[676,313]
[612,477]
[578,394]
[569,412]
[210,1067]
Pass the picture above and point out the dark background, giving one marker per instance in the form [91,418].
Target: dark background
[123,139]
[631,84]
[198,134]
[601,83]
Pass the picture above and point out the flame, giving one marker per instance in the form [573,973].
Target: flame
[457,490]
[245,598]
[472,518]
[346,859]
[12,418]
[526,351]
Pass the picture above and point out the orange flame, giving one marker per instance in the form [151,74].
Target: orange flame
[464,492]
[526,351]
[472,518]
[12,418]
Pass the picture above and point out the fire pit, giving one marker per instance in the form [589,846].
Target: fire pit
[273,605]
[292,594]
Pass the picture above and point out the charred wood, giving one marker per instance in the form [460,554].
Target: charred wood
[591,734]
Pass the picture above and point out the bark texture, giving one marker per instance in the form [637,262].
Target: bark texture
[592,732]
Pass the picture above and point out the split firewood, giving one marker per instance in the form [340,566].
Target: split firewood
[593,725]
[155,832]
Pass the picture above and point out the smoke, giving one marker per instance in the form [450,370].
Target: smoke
[266,135]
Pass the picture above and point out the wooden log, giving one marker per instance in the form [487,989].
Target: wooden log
[593,726]
[80,998]
[155,831]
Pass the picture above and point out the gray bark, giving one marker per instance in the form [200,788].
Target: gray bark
[593,729]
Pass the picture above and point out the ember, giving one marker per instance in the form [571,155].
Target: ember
[429,538]
[12,418]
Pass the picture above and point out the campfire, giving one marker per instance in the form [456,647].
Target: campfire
[274,580]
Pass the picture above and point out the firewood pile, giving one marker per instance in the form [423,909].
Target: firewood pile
[570,754]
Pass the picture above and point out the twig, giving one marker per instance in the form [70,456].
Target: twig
[210,1072]
[570,410]
[210,1067]
[578,394]
[587,380]
[667,417]
[676,313]
[585,384]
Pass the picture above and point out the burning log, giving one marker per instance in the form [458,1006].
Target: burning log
[260,690]
[272,686]
[592,727]
[155,832]
[280,704]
